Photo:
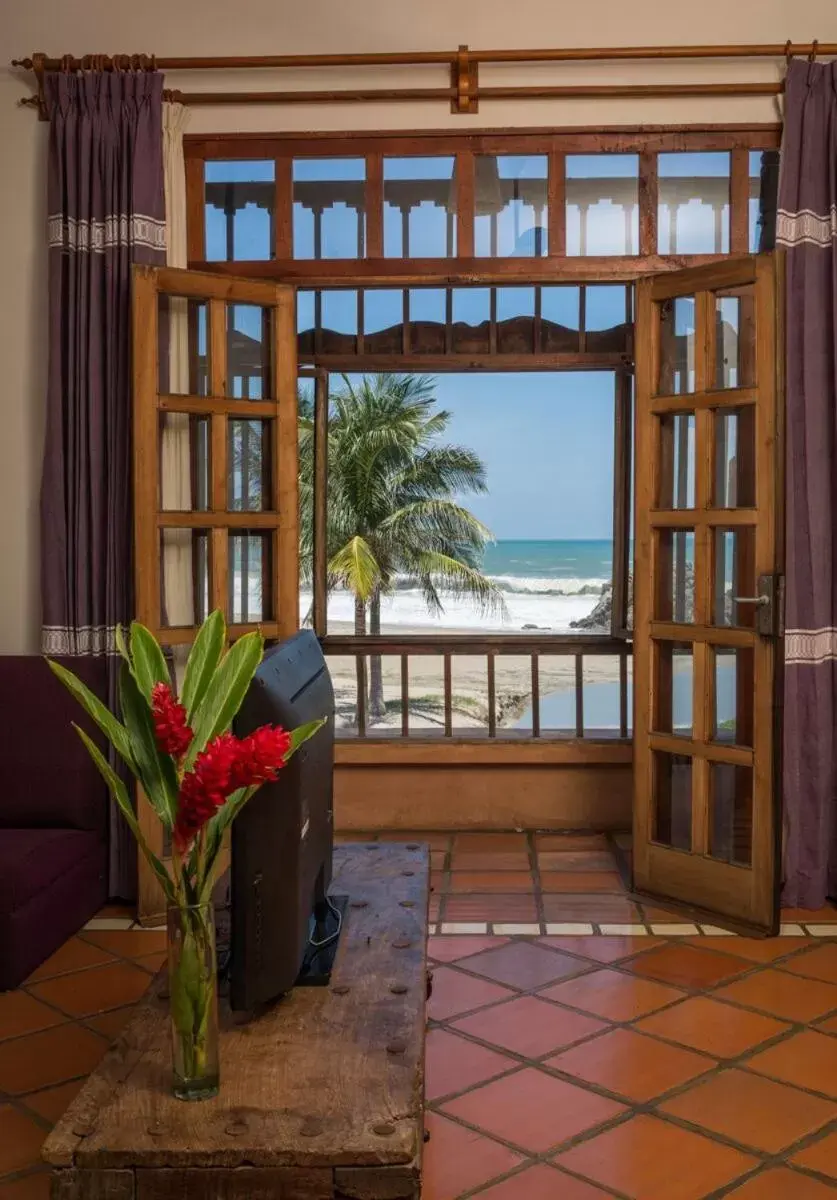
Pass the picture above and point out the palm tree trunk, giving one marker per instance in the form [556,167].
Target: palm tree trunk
[377,708]
[360,631]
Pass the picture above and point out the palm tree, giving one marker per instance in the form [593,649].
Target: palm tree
[391,509]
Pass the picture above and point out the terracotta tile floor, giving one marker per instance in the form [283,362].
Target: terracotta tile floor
[524,884]
[572,1053]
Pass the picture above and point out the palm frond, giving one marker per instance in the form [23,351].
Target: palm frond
[436,521]
[356,567]
[461,581]
[447,469]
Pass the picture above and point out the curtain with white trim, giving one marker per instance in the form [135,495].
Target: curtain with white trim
[106,212]
[807,228]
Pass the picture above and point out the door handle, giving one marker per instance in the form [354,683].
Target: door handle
[767,604]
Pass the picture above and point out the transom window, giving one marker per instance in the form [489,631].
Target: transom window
[487,197]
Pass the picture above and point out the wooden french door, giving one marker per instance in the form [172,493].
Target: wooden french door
[707,589]
[216,493]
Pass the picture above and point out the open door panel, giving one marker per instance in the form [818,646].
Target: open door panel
[707,590]
[215,468]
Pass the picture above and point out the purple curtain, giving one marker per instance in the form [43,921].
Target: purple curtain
[807,227]
[106,211]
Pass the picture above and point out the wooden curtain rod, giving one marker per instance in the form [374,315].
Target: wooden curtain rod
[546,92]
[430,58]
[464,92]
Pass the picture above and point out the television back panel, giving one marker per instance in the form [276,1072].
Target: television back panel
[282,839]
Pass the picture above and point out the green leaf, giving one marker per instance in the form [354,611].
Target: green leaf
[203,661]
[156,770]
[181,983]
[114,730]
[225,697]
[148,664]
[356,567]
[302,733]
[119,638]
[120,795]
[214,836]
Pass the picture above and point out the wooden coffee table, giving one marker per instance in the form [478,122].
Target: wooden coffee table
[321,1097]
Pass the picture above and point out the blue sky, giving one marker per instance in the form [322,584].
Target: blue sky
[546,440]
[547,443]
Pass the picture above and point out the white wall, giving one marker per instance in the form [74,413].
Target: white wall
[222,27]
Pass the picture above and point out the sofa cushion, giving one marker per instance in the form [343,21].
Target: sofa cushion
[47,778]
[32,860]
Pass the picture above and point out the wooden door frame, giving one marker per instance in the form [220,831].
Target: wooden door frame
[661,872]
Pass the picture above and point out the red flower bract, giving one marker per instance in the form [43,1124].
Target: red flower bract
[226,765]
[261,755]
[170,725]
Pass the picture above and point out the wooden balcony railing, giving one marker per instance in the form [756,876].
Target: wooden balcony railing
[390,657]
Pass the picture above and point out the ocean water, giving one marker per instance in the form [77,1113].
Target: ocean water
[547,584]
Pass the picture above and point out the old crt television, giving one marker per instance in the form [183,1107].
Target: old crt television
[282,839]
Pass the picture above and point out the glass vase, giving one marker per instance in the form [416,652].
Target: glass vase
[193,1001]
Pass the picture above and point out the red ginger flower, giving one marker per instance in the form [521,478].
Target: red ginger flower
[170,726]
[226,765]
[261,755]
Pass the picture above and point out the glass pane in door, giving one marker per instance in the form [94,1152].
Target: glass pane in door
[677,347]
[672,783]
[735,338]
[248,351]
[184,456]
[734,600]
[731,813]
[733,677]
[248,465]
[183,361]
[674,688]
[250,575]
[184,577]
[677,460]
[734,473]
[675,600]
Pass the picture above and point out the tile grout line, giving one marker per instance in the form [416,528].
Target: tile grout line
[636,1109]
[766,1159]
[537,882]
[794,1027]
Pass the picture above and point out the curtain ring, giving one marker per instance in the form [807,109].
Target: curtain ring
[812,57]
[788,53]
[67,63]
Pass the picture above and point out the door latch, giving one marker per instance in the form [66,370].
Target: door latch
[767,603]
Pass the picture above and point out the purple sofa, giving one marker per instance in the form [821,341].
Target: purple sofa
[53,814]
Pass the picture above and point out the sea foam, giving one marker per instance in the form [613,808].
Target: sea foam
[546,608]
